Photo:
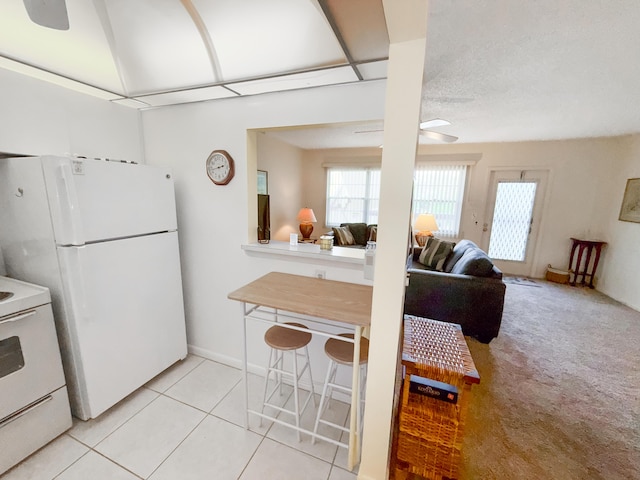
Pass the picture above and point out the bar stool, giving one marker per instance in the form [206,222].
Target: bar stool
[281,340]
[341,353]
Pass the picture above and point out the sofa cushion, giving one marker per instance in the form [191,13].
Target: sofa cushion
[343,236]
[435,252]
[473,262]
[457,253]
[359,232]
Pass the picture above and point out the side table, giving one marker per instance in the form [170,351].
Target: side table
[586,269]
[436,392]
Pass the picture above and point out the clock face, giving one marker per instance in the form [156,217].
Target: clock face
[220,167]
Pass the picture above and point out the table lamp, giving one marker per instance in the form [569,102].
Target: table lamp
[306,219]
[425,226]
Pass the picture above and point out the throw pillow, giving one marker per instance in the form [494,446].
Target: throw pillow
[435,253]
[359,232]
[474,262]
[461,247]
[343,236]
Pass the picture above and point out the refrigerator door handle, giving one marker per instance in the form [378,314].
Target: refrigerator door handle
[69,227]
[73,283]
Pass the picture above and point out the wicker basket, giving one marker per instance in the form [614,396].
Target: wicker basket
[429,429]
[556,275]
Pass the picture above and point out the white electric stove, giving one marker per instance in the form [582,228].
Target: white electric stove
[34,405]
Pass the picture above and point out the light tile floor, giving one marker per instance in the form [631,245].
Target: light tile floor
[187,424]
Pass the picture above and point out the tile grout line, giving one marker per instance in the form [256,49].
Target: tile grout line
[135,413]
[251,458]
[179,379]
[178,445]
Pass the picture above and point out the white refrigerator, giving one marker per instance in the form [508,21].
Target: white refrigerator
[102,236]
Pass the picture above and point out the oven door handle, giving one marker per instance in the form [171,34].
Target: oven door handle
[24,410]
[18,317]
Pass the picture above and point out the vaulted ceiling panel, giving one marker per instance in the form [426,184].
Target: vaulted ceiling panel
[156,45]
[255,38]
[157,50]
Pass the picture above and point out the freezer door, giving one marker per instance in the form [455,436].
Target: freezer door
[126,311]
[95,200]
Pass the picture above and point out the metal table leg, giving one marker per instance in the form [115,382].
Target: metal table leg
[354,424]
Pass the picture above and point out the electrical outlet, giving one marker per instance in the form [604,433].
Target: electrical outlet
[321,274]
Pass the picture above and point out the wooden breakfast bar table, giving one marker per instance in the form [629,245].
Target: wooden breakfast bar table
[276,296]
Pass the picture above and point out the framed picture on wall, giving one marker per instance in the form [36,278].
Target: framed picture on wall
[263,183]
[630,210]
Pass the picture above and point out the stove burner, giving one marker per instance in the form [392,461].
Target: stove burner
[5,296]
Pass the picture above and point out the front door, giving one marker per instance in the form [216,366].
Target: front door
[514,213]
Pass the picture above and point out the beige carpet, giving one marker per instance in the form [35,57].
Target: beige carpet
[559,396]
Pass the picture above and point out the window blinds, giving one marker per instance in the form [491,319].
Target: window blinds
[439,189]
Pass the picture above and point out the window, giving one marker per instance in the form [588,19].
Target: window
[353,195]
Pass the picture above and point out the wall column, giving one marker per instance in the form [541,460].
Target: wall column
[406,23]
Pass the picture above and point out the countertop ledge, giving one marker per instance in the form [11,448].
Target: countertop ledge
[308,250]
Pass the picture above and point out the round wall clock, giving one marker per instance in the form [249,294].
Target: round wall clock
[220,167]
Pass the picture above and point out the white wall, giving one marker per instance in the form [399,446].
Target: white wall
[620,278]
[213,220]
[284,165]
[39,118]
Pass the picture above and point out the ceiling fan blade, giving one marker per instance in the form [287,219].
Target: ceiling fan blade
[435,122]
[48,13]
[443,137]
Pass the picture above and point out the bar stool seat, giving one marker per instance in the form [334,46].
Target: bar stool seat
[341,353]
[282,339]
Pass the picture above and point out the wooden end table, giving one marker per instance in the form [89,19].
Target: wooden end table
[589,269]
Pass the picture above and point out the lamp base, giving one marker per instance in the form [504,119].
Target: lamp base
[305,230]
[422,237]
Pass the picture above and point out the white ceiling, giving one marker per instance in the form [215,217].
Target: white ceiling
[498,70]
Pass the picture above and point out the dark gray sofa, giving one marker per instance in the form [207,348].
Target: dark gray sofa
[469,291]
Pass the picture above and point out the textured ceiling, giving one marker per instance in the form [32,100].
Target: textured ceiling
[504,71]
[498,70]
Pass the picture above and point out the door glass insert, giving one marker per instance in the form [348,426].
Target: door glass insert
[512,220]
[11,359]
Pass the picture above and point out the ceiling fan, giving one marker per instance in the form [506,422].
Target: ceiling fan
[48,13]
[425,130]
[436,122]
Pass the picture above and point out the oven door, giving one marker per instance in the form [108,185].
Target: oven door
[29,358]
